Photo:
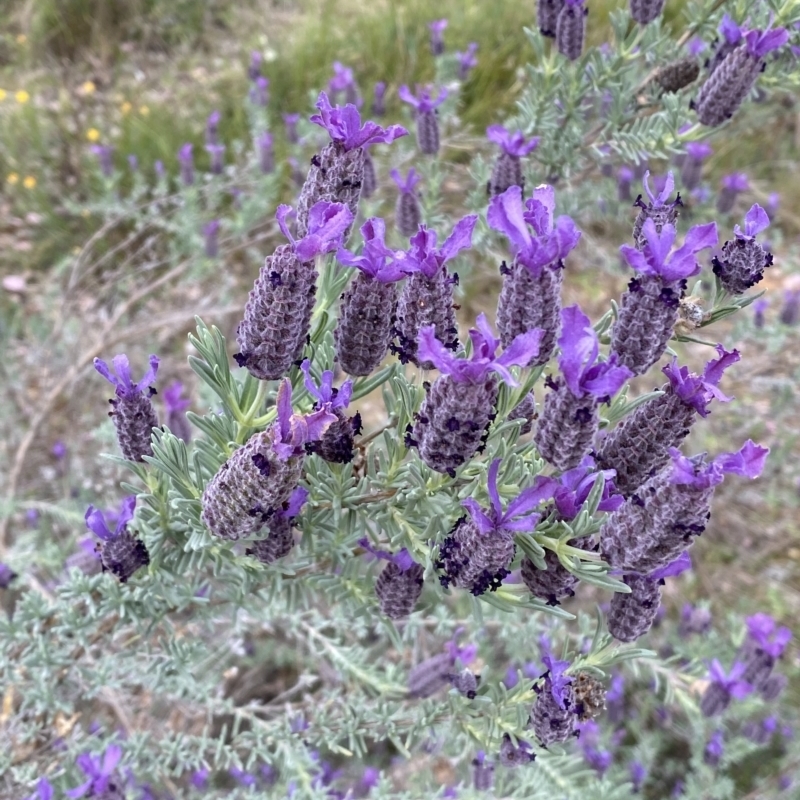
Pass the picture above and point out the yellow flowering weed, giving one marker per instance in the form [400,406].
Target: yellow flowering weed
[22,97]
[29,182]
[12,179]
[93,135]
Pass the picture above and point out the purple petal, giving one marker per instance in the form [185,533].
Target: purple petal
[497,134]
[404,93]
[296,502]
[748,461]
[730,30]
[606,379]
[403,560]
[149,376]
[491,485]
[636,259]
[126,513]
[460,238]
[317,423]
[760,43]
[283,405]
[482,522]
[123,369]
[431,349]
[712,373]
[540,208]
[506,215]
[528,499]
[522,350]
[96,523]
[111,758]
[79,791]
[658,244]
[280,215]
[579,348]
[682,563]
[755,221]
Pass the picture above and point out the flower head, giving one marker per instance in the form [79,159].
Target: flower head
[520,514]
[731,682]
[344,125]
[100,773]
[405,185]
[402,559]
[291,431]
[324,392]
[755,221]
[576,484]
[730,30]
[770,638]
[484,346]
[327,223]
[423,102]
[655,260]
[512,143]
[659,200]
[578,360]
[735,182]
[96,522]
[425,257]
[557,680]
[698,390]
[124,386]
[376,260]
[467,60]
[343,78]
[680,565]
[555,238]
[759,43]
[747,462]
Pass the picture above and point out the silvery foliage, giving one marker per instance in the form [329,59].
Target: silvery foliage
[179,658]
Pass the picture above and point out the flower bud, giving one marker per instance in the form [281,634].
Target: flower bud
[742,262]
[547,12]
[399,589]
[123,555]
[571,29]
[507,172]
[678,74]
[632,615]
[278,544]
[482,773]
[553,584]
[512,756]
[465,682]
[645,11]
[428,132]
[551,721]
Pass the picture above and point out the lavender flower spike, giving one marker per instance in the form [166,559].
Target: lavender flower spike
[337,171]
[731,38]
[571,29]
[730,83]
[639,446]
[742,262]
[133,413]
[547,12]
[459,405]
[400,583]
[256,481]
[367,311]
[531,293]
[660,520]
[427,124]
[336,444]
[569,419]
[277,315]
[632,615]
[478,550]
[649,309]
[658,209]
[553,714]
[507,170]
[280,539]
[467,61]
[120,551]
[408,212]
[427,297]
[437,28]
[645,11]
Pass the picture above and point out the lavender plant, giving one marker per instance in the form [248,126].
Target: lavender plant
[285,604]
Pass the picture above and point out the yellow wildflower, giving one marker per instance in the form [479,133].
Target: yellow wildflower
[22,96]
[144,110]
[93,135]
[88,87]
[29,182]
[12,179]
[22,38]
[3,95]
[126,107]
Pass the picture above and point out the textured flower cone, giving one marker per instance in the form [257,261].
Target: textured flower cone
[691,172]
[741,264]
[632,615]
[465,682]
[134,418]
[364,328]
[452,421]
[335,175]
[525,409]
[482,776]
[179,426]
[758,667]
[123,555]
[638,447]
[527,302]
[512,756]
[249,487]
[588,696]
[425,302]
[369,181]
[725,89]
[678,75]
[278,544]
[722,50]
[647,315]
[507,172]
[625,536]
[547,12]
[715,700]
[773,687]
[475,561]
[398,590]
[430,675]
[408,214]
[336,445]
[277,315]
[549,721]
[428,132]
[553,584]
[566,428]
[644,11]
[661,215]
[570,31]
